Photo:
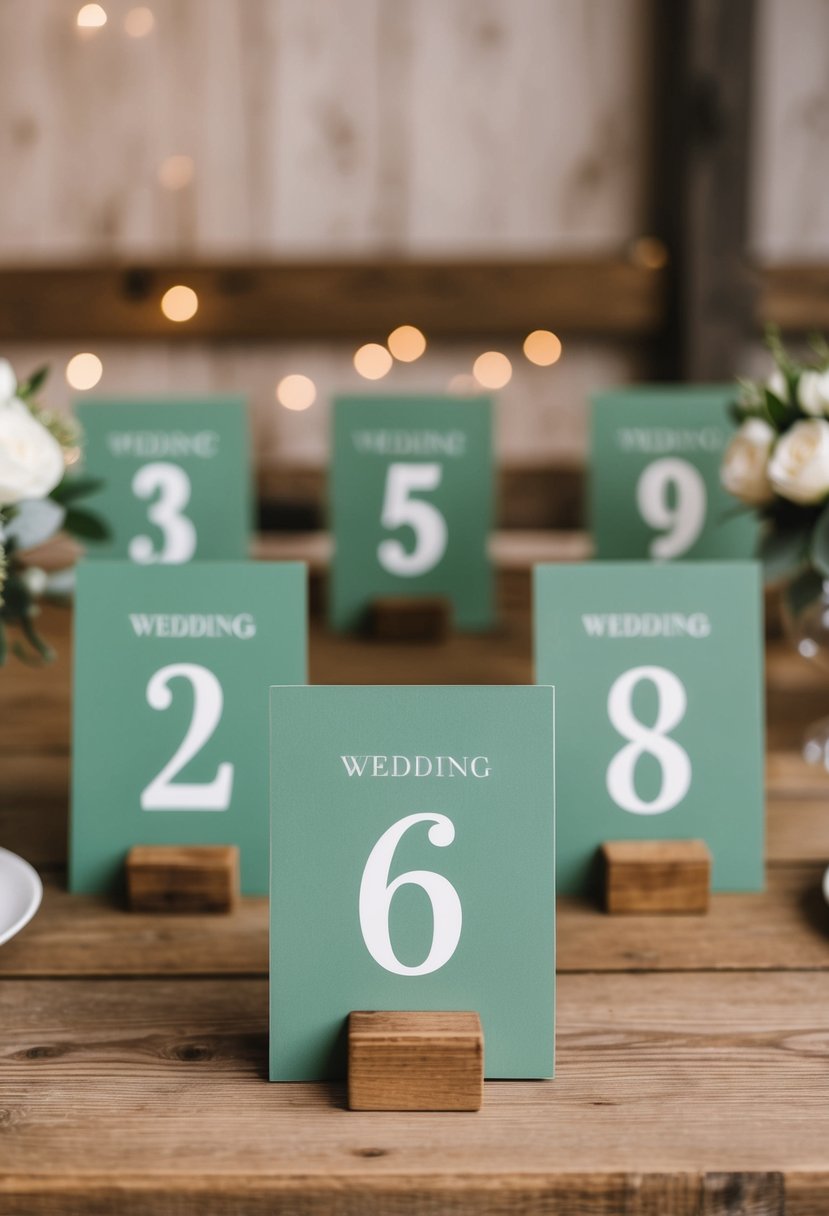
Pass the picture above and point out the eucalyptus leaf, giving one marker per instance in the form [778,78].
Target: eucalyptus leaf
[28,388]
[36,521]
[86,525]
[777,410]
[802,591]
[783,552]
[819,545]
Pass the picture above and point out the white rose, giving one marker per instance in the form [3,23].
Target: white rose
[31,459]
[813,393]
[744,467]
[799,466]
[777,385]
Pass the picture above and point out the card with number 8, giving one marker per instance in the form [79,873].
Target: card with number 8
[658,670]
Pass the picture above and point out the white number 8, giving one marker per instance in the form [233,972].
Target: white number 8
[650,740]
[376,894]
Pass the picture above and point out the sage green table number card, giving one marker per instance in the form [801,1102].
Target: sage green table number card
[655,475]
[412,867]
[172,671]
[412,505]
[658,674]
[176,474]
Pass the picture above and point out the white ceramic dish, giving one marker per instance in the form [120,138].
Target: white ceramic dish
[20,894]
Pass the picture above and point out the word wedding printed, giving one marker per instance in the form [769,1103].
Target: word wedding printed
[172,671]
[412,505]
[655,487]
[659,676]
[176,478]
[412,867]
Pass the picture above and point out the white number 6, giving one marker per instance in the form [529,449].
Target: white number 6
[376,894]
[684,521]
[173,486]
[162,794]
[425,520]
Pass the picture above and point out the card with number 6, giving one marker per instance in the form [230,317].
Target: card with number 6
[658,670]
[412,867]
[172,670]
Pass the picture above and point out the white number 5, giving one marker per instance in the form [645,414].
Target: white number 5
[425,520]
[376,894]
[686,519]
[179,532]
[162,794]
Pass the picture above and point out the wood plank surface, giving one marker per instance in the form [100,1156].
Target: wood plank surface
[670,1079]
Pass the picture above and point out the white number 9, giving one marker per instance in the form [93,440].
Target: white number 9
[179,533]
[686,519]
[376,894]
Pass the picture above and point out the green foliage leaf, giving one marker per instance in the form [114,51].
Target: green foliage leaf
[73,488]
[779,414]
[819,544]
[28,388]
[802,591]
[784,552]
[35,640]
[86,525]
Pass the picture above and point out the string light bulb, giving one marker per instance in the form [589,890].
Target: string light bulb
[542,347]
[372,361]
[91,17]
[139,22]
[649,252]
[176,172]
[492,369]
[296,392]
[83,371]
[406,343]
[179,303]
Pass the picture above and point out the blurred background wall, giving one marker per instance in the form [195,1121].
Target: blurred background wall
[662,163]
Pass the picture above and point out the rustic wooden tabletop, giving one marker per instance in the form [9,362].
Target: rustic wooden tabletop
[692,1052]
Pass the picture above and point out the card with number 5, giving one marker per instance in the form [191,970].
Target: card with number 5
[172,671]
[412,867]
[658,670]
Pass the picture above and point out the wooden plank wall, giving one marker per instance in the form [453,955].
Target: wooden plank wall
[317,129]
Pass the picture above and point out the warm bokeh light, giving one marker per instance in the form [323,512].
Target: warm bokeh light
[139,22]
[542,347]
[176,172]
[372,361]
[296,392]
[406,343]
[463,385]
[90,17]
[492,369]
[83,371]
[650,252]
[180,303]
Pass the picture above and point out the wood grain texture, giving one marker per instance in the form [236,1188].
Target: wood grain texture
[656,876]
[664,1082]
[415,1061]
[410,618]
[182,878]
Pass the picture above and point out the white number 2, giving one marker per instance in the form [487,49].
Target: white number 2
[162,794]
[425,520]
[652,740]
[686,519]
[376,894]
[173,487]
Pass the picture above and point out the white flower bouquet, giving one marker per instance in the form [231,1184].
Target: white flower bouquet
[37,501]
[778,465]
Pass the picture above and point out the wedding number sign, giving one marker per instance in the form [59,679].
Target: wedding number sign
[412,503]
[172,671]
[176,478]
[658,674]
[412,867]
[655,476]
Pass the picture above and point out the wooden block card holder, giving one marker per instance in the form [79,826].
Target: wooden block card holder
[415,1061]
[182,878]
[656,876]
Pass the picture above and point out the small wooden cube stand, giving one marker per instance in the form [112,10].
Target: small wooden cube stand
[182,878]
[415,618]
[415,1061]
[656,876]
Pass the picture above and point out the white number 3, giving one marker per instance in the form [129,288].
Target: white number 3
[162,794]
[179,533]
[648,740]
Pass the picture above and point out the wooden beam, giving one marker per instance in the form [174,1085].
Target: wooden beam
[349,300]
[795,297]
